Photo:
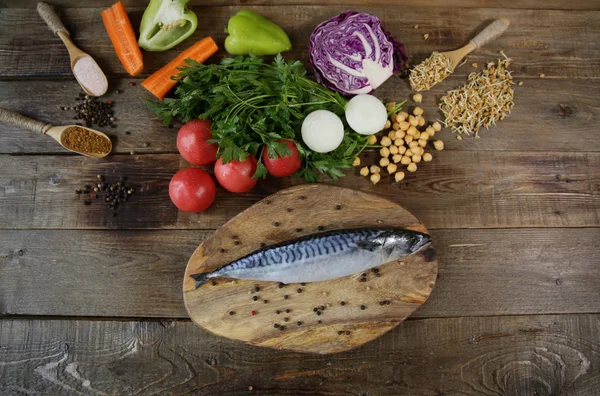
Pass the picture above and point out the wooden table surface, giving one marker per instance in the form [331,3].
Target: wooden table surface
[92,304]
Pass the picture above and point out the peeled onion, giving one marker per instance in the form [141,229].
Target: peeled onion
[366,114]
[322,131]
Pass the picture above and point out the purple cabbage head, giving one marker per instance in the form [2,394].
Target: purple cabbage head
[352,54]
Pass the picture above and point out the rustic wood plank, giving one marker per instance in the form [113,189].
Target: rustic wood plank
[527,355]
[559,44]
[523,4]
[550,115]
[455,190]
[139,274]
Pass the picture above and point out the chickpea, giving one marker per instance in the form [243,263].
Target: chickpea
[421,151]
[391,168]
[415,150]
[408,139]
[417,135]
[393,151]
[375,178]
[418,111]
[372,139]
[421,121]
[400,134]
[405,160]
[400,117]
[395,126]
[390,106]
[424,135]
[422,143]
[438,144]
[430,130]
[401,150]
[437,126]
[404,125]
[418,97]
[375,169]
[411,131]
[384,152]
[412,167]
[399,176]
[427,157]
[387,125]
[416,158]
[384,162]
[405,114]
[396,158]
[412,144]
[392,134]
[412,120]
[364,171]
[386,141]
[408,153]
[356,162]
[398,142]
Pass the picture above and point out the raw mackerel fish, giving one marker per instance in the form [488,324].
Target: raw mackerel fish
[323,256]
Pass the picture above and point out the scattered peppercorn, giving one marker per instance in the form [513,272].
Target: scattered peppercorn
[92,111]
[288,310]
[302,284]
[253,313]
[132,84]
[254,298]
[340,332]
[285,297]
[278,312]
[231,313]
[299,323]
[281,285]
[213,283]
[299,290]
[282,328]
[318,312]
[266,301]
[286,319]
[347,332]
[256,288]
[363,307]
[276,325]
[315,309]
[322,307]
[319,321]
[342,303]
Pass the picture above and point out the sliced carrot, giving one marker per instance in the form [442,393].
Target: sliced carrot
[121,34]
[160,83]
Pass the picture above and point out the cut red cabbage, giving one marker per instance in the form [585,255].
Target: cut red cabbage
[352,54]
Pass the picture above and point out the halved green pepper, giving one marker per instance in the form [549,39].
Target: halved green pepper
[250,32]
[165,24]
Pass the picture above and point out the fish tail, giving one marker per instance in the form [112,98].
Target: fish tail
[201,278]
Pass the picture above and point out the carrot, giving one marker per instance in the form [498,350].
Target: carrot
[121,34]
[160,83]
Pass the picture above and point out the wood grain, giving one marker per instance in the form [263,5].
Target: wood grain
[523,4]
[455,190]
[550,115]
[522,355]
[224,307]
[139,274]
[560,44]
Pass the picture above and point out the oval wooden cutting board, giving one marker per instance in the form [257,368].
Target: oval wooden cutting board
[226,307]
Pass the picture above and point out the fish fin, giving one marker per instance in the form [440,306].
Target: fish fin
[200,278]
[368,245]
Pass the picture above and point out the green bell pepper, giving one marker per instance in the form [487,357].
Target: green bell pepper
[253,33]
[165,24]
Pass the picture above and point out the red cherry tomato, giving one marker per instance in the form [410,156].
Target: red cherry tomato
[283,166]
[236,176]
[192,143]
[192,190]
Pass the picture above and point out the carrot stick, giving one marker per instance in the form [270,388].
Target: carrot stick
[121,34]
[160,83]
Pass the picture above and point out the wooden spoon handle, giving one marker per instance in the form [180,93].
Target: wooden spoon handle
[20,121]
[49,16]
[491,32]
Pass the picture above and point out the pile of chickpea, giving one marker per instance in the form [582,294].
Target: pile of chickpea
[403,144]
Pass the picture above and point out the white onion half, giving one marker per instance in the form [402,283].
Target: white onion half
[322,131]
[366,114]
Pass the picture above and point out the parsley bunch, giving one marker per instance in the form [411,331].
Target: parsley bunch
[254,104]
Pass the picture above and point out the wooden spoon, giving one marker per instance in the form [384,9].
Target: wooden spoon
[49,16]
[56,132]
[491,32]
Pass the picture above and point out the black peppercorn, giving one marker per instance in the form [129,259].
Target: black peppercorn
[254,298]
[286,319]
[363,307]
[342,303]
[315,309]
[278,312]
[302,284]
[322,307]
[318,312]
[281,285]
[266,301]
[276,325]
[231,313]
[288,310]
[299,290]
[299,323]
[285,297]
[340,332]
